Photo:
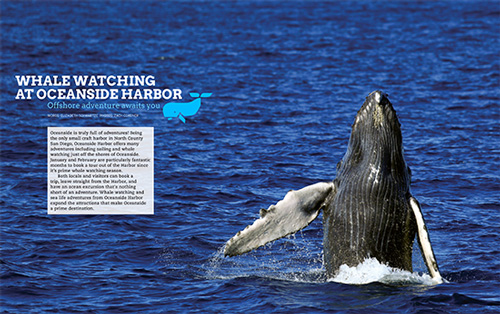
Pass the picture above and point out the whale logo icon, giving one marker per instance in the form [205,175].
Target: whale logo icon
[181,110]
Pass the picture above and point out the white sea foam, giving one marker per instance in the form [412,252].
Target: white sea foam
[371,270]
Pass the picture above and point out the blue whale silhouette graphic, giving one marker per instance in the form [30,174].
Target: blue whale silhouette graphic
[181,110]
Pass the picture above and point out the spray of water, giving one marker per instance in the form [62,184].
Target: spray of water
[306,266]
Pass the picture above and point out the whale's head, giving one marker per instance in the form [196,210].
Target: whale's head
[376,142]
[376,124]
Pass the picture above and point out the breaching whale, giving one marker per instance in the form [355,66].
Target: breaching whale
[368,210]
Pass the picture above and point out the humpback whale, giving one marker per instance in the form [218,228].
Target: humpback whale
[368,210]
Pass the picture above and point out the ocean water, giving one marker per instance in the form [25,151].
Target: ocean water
[287,79]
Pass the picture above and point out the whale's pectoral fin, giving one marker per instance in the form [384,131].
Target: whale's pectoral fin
[425,242]
[295,212]
[181,117]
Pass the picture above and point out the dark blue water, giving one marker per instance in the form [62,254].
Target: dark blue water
[287,80]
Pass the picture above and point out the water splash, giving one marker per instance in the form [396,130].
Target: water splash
[299,258]
[371,270]
[214,263]
[308,271]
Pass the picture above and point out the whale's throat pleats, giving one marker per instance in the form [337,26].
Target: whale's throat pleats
[364,220]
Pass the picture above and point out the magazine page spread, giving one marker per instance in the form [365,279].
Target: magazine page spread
[249,156]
